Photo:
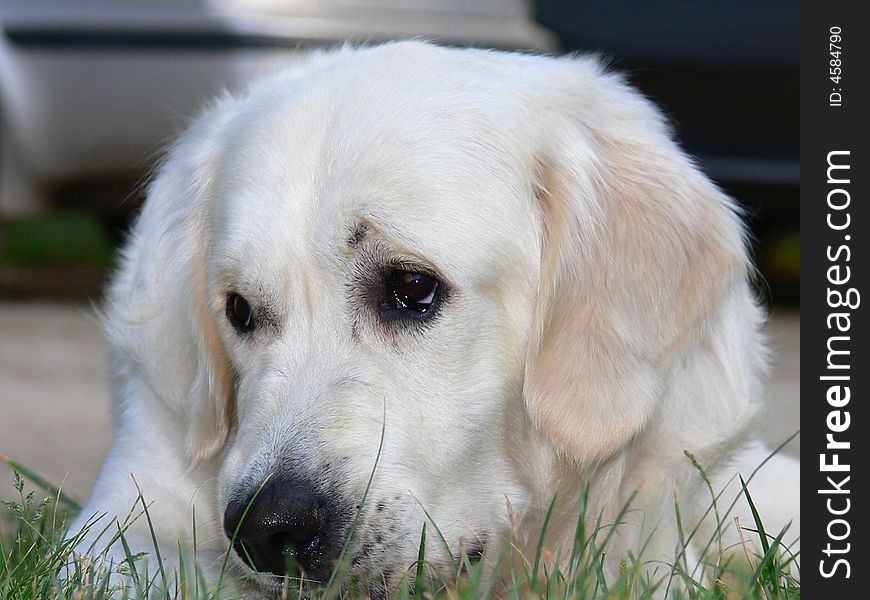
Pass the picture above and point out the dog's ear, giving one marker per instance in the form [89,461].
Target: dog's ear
[159,321]
[211,411]
[638,250]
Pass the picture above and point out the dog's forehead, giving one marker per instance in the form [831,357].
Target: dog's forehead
[439,177]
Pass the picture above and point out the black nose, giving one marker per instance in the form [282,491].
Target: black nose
[284,524]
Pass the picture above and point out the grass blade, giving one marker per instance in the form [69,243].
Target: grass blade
[421,561]
[540,548]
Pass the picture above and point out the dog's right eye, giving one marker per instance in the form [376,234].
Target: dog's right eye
[410,294]
[239,313]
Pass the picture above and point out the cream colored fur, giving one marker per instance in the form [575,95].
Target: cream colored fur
[600,320]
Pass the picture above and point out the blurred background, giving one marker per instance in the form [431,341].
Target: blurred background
[91,91]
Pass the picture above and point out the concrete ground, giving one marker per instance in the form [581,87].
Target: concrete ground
[54,400]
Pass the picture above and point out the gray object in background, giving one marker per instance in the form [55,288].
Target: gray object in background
[94,89]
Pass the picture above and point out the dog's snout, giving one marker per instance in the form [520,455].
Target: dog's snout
[281,524]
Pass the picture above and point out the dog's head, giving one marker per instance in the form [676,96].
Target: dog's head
[407,264]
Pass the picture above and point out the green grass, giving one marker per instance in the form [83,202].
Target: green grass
[37,561]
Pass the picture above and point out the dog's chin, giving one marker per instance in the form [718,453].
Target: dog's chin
[260,585]
[377,584]
[265,585]
[253,584]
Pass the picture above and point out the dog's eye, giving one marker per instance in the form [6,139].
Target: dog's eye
[410,293]
[239,313]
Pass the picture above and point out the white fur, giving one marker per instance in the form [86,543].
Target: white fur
[600,320]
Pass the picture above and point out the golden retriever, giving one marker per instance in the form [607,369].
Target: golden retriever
[499,264]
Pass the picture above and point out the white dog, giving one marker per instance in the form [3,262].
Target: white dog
[501,263]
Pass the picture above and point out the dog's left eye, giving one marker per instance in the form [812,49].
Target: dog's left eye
[239,313]
[410,293]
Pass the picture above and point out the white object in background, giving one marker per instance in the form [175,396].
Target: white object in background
[94,89]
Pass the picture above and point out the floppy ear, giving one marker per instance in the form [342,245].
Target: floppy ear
[159,323]
[638,250]
[211,410]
